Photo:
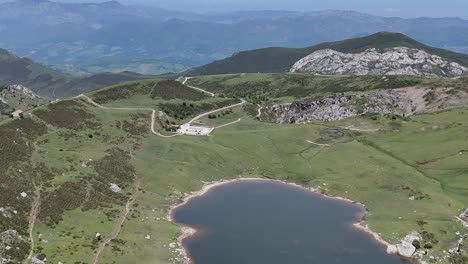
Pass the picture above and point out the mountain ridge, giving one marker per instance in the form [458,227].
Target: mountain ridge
[277,59]
[52,84]
[89,32]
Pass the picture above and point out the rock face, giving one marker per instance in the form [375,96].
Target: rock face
[19,97]
[336,107]
[391,61]
[404,101]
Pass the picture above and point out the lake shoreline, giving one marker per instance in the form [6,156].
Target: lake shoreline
[189,231]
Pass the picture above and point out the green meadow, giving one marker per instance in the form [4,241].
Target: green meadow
[411,174]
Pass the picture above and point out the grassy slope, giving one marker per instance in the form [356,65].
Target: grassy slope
[305,85]
[380,170]
[278,59]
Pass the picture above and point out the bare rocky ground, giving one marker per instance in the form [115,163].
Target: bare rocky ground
[404,101]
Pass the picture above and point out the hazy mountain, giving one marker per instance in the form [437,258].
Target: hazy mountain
[380,53]
[153,40]
[52,84]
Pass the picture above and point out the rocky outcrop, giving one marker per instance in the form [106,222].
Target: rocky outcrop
[391,61]
[336,107]
[405,248]
[404,101]
[19,97]
[24,91]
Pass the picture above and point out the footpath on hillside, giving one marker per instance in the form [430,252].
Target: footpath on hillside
[185,129]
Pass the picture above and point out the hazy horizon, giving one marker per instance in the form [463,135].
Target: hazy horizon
[397,8]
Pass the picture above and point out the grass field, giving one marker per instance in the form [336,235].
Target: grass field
[82,149]
[295,86]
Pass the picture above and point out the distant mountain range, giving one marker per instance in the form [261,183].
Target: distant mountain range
[52,84]
[378,54]
[110,36]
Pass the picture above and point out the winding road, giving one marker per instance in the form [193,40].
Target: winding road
[214,111]
[196,88]
[185,127]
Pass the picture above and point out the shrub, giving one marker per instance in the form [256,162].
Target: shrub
[458,259]
[122,92]
[170,89]
[416,244]
[68,114]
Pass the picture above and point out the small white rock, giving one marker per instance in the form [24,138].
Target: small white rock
[147,237]
[24,195]
[115,188]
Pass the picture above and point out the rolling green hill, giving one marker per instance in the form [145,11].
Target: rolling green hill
[52,84]
[277,59]
[60,163]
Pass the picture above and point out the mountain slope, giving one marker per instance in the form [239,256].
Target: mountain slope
[282,59]
[18,97]
[48,83]
[129,37]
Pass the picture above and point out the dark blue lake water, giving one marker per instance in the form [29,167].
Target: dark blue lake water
[266,222]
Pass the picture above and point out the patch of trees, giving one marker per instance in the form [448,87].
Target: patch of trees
[223,113]
[183,110]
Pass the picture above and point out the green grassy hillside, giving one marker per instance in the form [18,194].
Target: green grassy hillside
[295,86]
[66,155]
[277,59]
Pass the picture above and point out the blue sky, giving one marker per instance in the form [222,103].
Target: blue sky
[403,8]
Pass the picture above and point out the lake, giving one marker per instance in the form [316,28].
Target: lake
[269,222]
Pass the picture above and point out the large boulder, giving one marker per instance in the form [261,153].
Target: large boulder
[406,249]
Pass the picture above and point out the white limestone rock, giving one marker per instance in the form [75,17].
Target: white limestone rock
[406,249]
[390,61]
[392,249]
[115,188]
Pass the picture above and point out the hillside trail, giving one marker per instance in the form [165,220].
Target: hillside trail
[216,110]
[317,144]
[153,111]
[119,224]
[32,220]
[196,88]
[259,110]
[359,129]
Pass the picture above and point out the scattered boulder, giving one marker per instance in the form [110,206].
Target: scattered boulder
[406,249]
[36,260]
[392,249]
[115,188]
